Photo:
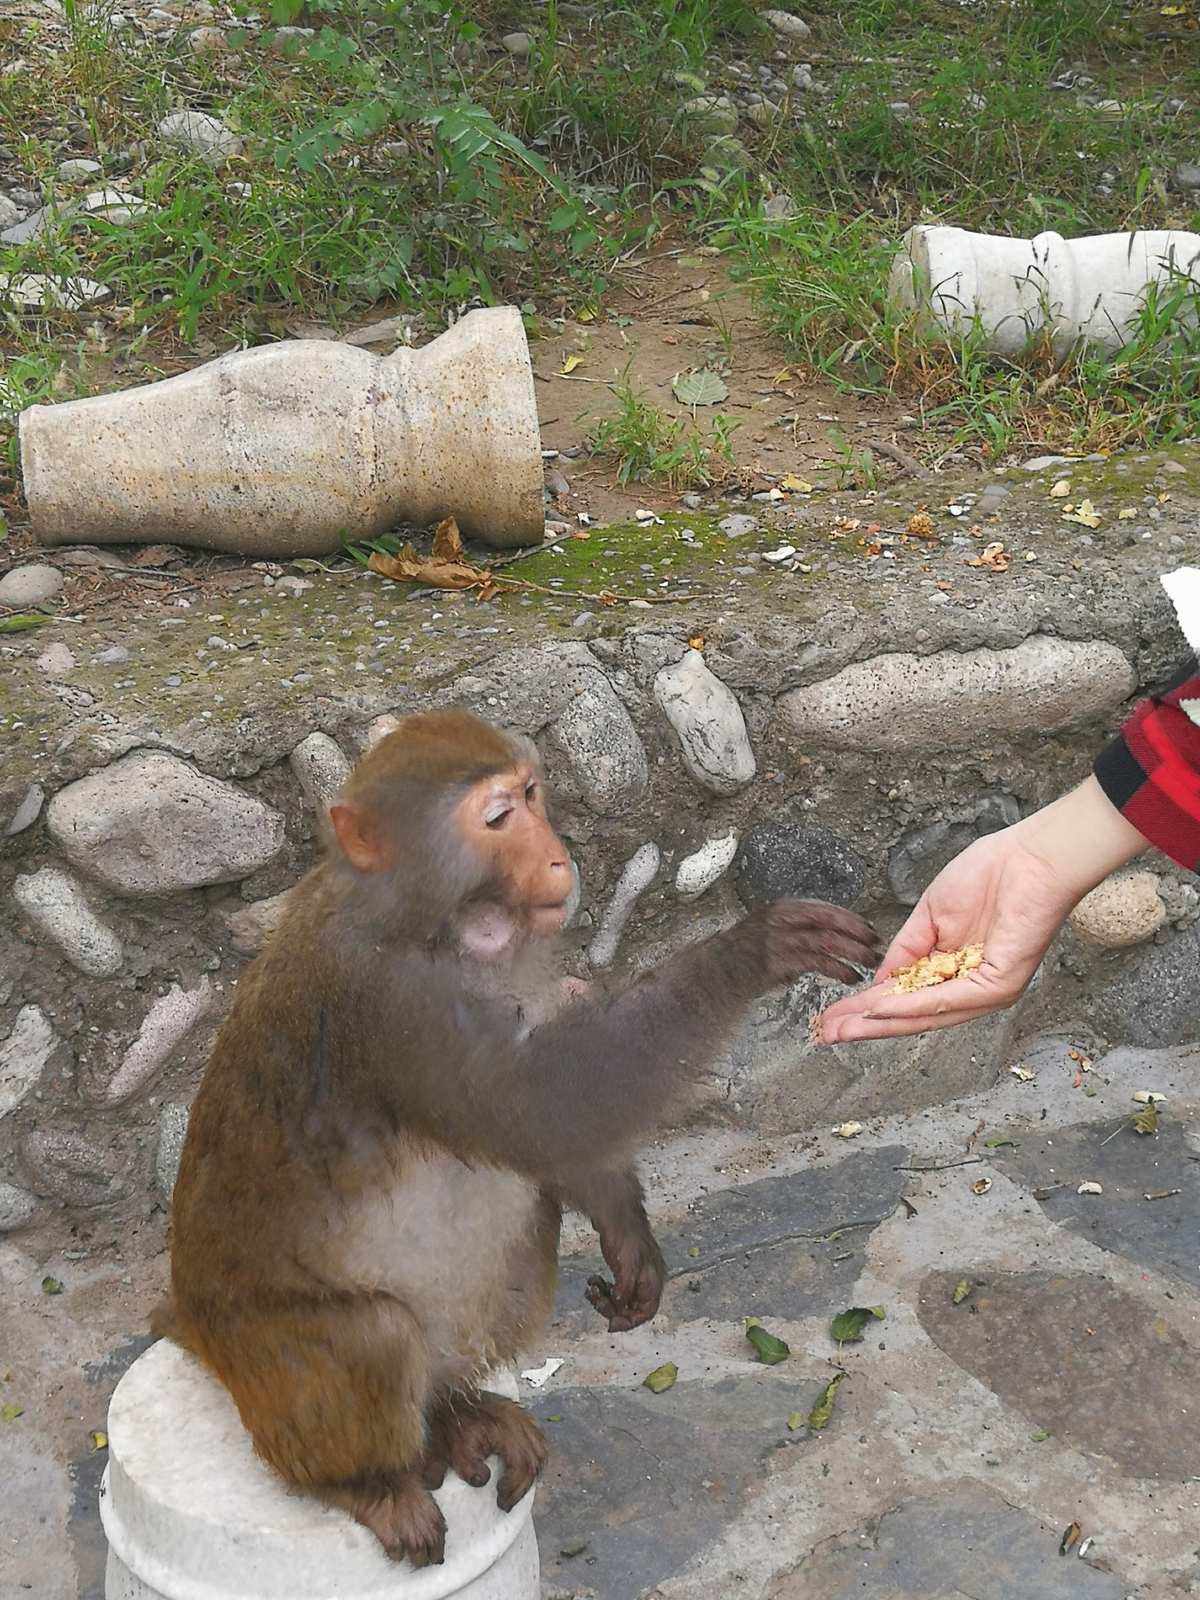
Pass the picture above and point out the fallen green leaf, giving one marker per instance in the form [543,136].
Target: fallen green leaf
[847,1327]
[961,1290]
[99,1440]
[823,1410]
[999,1144]
[11,1412]
[555,1417]
[22,621]
[51,1286]
[796,1420]
[661,1378]
[1146,1121]
[1040,1436]
[703,388]
[770,1349]
[694,1251]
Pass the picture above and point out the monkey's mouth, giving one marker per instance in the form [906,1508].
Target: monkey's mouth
[550,916]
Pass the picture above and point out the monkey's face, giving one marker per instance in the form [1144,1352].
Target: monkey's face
[502,821]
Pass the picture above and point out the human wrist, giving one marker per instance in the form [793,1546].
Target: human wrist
[1082,837]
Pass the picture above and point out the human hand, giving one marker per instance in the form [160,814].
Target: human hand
[1009,892]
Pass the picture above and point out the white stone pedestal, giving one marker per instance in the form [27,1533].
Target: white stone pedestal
[191,1513]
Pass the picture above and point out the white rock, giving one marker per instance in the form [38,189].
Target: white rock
[950,700]
[708,720]
[283,39]
[33,290]
[30,585]
[636,877]
[172,1131]
[10,212]
[27,812]
[321,769]
[165,1026]
[56,661]
[791,27]
[114,205]
[152,824]
[208,42]
[596,737]
[16,1207]
[57,907]
[517,44]
[1123,910]
[380,728]
[292,585]
[23,1055]
[251,926]
[77,168]
[200,134]
[703,867]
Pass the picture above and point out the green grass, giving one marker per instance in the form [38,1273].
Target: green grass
[645,444]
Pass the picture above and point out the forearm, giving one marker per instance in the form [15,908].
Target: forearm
[1083,837]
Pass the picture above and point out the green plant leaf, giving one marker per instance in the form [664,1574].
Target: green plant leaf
[702,388]
[820,1414]
[51,1286]
[847,1327]
[661,1378]
[770,1349]
[22,622]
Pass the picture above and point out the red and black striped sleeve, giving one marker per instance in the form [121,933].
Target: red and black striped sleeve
[1151,771]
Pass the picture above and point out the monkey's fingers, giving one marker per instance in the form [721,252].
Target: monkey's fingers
[601,1297]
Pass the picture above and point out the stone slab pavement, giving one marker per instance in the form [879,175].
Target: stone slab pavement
[965,1438]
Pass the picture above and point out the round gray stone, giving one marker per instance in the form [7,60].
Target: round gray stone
[920,855]
[16,1207]
[31,585]
[781,860]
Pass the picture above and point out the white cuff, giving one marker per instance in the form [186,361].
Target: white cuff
[1183,588]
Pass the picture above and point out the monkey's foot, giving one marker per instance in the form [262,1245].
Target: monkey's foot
[404,1517]
[464,1430]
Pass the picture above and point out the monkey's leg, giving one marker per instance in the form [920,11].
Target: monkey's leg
[465,1429]
[333,1392]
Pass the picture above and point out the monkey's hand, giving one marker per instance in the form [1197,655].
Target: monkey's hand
[801,936]
[639,1272]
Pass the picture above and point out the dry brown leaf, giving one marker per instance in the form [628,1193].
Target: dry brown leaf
[994,556]
[447,541]
[406,566]
[981,1186]
[1085,513]
[1061,489]
[696,642]
[921,526]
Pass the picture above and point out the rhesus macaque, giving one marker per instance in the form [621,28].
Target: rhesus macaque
[399,1105]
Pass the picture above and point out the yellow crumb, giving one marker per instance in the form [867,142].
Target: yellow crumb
[938,967]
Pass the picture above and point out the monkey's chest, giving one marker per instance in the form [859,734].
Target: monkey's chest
[471,1253]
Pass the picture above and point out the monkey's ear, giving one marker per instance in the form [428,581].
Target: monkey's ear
[358,835]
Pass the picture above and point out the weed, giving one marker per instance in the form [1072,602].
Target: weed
[648,445]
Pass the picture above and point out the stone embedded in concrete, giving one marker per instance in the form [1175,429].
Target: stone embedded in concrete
[1160,1234]
[27,811]
[636,877]
[172,1131]
[764,1248]
[70,1168]
[165,1026]
[960,1543]
[779,860]
[1022,1335]
[951,701]
[23,1056]
[1153,1001]
[379,728]
[17,1207]
[708,720]
[30,585]
[58,908]
[152,824]
[1124,910]
[594,737]
[321,769]
[251,926]
[650,1481]
[918,857]
[700,870]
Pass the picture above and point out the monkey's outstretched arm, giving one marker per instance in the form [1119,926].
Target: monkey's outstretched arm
[584,1089]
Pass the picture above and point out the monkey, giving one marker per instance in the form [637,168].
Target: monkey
[397,1110]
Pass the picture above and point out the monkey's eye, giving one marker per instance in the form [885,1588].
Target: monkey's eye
[531,790]
[497,819]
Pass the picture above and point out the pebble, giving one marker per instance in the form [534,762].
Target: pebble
[36,290]
[69,1168]
[208,42]
[636,877]
[58,908]
[27,812]
[152,824]
[321,769]
[30,585]
[200,134]
[284,38]
[292,585]
[164,1028]
[708,721]
[990,500]
[737,523]
[596,739]
[17,1207]
[56,661]
[77,168]
[10,212]
[763,114]
[1124,910]
[517,44]
[692,501]
[113,655]
[557,485]
[782,859]
[703,867]
[251,926]
[23,1057]
[1187,175]
[802,77]
[379,728]
[785,23]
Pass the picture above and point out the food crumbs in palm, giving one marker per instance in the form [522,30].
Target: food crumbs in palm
[938,967]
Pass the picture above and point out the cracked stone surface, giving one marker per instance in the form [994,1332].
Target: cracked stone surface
[964,1439]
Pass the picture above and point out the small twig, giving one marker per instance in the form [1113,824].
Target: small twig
[901,457]
[943,1166]
[529,550]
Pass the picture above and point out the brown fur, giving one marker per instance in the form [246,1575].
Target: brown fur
[367,1212]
